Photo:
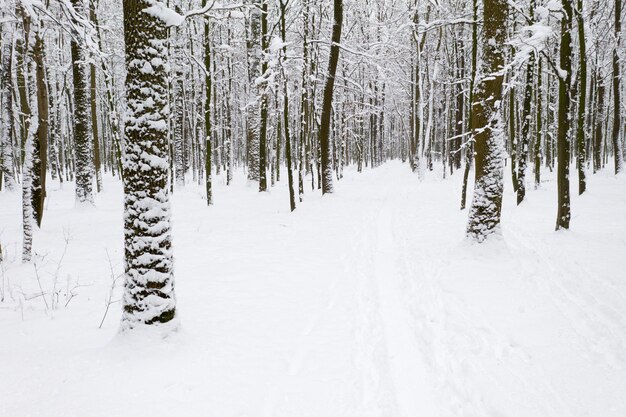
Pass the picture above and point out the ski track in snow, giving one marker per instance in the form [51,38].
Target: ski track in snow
[366,303]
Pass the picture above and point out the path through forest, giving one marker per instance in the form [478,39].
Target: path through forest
[365,303]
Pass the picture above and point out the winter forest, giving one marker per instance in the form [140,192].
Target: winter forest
[372,208]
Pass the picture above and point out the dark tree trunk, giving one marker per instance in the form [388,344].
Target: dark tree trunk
[324,142]
[617,119]
[564,128]
[484,218]
[82,133]
[149,286]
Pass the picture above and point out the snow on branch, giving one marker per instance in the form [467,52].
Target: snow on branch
[172,18]
[530,39]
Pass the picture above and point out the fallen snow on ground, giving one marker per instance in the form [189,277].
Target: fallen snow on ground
[368,302]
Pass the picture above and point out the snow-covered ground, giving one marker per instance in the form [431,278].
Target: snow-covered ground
[368,302]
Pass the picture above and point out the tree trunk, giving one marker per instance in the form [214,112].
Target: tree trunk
[94,110]
[41,137]
[207,109]
[617,144]
[564,127]
[263,88]
[327,169]
[484,218]
[539,129]
[82,134]
[283,30]
[599,126]
[582,102]
[254,61]
[149,286]
[469,153]
[7,169]
[522,150]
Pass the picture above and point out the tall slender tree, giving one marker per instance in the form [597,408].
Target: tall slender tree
[263,89]
[7,170]
[617,114]
[523,147]
[581,156]
[564,130]
[207,109]
[324,132]
[283,34]
[82,106]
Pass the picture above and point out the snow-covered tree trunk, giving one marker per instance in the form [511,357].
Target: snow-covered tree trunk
[263,95]
[484,217]
[207,109]
[149,286]
[27,201]
[29,149]
[7,171]
[82,123]
[178,104]
[304,100]
[252,106]
[324,132]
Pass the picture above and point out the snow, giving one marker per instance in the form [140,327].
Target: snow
[167,15]
[367,302]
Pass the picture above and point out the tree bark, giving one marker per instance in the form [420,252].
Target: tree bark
[564,127]
[82,133]
[484,218]
[149,286]
[327,169]
[617,119]
[582,102]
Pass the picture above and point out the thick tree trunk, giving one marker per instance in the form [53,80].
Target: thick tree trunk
[484,218]
[149,286]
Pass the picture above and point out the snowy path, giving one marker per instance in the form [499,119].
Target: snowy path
[366,303]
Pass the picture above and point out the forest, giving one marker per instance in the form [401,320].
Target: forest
[243,207]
